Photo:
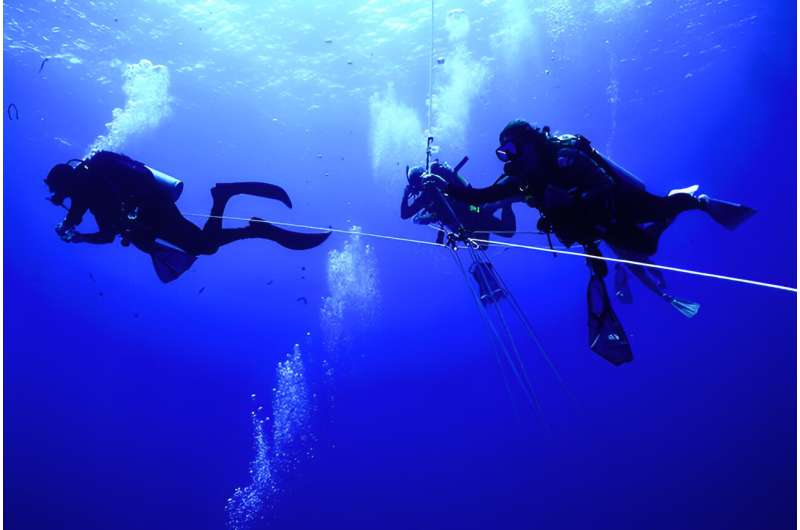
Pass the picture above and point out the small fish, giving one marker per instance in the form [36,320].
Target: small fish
[100,293]
[136,315]
[16,111]
[269,282]
[44,61]
[92,277]
[303,268]
[302,299]
[201,290]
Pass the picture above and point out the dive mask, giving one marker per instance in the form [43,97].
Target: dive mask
[506,152]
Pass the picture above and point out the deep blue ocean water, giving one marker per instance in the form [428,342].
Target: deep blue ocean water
[132,404]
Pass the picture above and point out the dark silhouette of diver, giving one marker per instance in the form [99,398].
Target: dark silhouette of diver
[130,199]
[425,202]
[584,197]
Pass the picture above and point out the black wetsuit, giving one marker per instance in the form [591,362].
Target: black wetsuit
[125,199]
[427,207]
[581,202]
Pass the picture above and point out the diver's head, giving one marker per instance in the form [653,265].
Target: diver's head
[60,181]
[444,170]
[415,176]
[522,148]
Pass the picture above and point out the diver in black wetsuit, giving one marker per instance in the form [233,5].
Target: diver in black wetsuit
[583,197]
[128,198]
[425,202]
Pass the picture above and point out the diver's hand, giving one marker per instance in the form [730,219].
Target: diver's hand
[65,232]
[431,181]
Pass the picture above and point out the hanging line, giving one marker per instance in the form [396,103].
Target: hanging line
[639,263]
[509,245]
[517,369]
[430,78]
[484,264]
[479,256]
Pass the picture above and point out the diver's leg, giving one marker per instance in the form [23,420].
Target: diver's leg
[622,291]
[166,222]
[606,336]
[653,279]
[633,238]
[644,207]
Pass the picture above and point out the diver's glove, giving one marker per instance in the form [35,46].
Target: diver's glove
[66,233]
[431,181]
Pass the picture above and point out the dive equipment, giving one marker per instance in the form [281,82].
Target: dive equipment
[168,185]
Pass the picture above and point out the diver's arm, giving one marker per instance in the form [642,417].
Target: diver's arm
[97,238]
[66,228]
[408,210]
[505,188]
[77,210]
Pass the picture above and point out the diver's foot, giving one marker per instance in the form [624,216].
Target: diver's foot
[728,214]
[224,191]
[286,238]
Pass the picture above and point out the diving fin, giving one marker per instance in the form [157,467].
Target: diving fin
[686,308]
[286,238]
[170,262]
[606,336]
[728,214]
[440,237]
[257,189]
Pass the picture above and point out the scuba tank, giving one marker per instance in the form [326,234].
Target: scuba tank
[624,178]
[132,179]
[167,185]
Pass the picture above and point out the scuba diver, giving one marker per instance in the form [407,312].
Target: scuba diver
[584,197]
[425,202]
[137,202]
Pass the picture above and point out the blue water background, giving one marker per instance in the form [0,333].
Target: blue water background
[127,402]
